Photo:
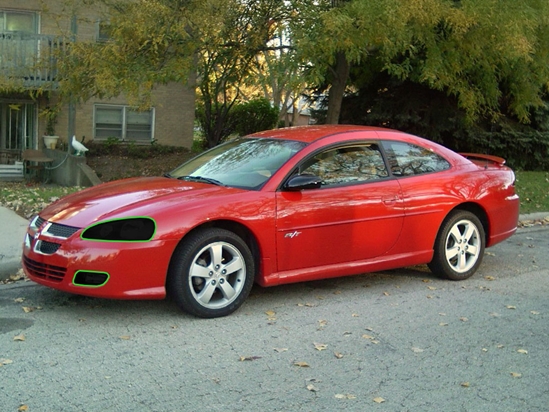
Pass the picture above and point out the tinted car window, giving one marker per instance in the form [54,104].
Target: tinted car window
[409,160]
[347,165]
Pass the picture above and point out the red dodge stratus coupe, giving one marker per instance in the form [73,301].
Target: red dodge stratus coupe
[276,207]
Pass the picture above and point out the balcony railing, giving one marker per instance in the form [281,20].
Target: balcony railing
[30,58]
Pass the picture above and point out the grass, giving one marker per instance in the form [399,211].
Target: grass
[533,189]
[27,199]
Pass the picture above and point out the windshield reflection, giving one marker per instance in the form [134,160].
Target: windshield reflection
[243,163]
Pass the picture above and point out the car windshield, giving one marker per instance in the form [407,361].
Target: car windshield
[244,163]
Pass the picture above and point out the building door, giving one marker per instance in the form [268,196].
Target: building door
[17,126]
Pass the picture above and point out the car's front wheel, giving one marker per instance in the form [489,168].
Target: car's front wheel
[459,247]
[211,273]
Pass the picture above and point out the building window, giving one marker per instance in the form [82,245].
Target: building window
[123,123]
[17,22]
[103,30]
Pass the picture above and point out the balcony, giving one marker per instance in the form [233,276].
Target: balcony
[30,59]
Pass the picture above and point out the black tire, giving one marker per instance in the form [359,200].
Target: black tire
[459,246]
[211,273]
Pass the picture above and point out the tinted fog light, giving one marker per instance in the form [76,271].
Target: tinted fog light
[90,278]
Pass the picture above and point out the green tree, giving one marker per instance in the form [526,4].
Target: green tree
[489,54]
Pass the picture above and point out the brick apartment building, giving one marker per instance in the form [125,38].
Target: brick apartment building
[28,30]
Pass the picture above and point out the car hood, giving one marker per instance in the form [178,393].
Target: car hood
[129,197]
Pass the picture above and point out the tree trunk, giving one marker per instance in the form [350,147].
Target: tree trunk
[339,82]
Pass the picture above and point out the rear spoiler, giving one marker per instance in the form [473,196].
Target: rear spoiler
[476,156]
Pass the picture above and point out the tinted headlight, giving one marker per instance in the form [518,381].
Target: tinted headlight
[134,229]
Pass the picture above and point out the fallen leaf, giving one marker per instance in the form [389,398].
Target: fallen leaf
[379,399]
[320,346]
[23,408]
[386,293]
[19,338]
[19,300]
[442,314]
[426,280]
[516,375]
[500,346]
[345,396]
[463,319]
[125,337]
[443,324]
[27,309]
[465,384]
[489,253]
[337,292]
[249,358]
[309,305]
[523,351]
[369,329]
[375,342]
[322,323]
[338,355]
[279,350]
[431,288]
[534,312]
[270,313]
[320,297]
[301,364]
[355,315]
[417,350]
[4,361]
[489,278]
[367,336]
[429,296]
[484,350]
[312,388]
[511,307]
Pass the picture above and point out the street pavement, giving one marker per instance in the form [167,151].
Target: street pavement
[400,340]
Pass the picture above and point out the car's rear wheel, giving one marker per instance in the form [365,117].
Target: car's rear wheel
[211,273]
[459,247]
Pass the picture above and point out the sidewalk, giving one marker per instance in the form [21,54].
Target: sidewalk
[12,232]
[13,228]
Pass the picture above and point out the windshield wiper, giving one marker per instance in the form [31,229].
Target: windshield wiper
[201,179]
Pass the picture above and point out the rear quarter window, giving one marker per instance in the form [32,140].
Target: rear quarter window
[406,159]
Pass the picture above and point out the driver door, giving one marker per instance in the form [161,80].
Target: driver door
[355,215]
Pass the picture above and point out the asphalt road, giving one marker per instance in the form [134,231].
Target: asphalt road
[393,341]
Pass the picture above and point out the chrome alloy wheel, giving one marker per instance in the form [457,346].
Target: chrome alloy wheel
[217,275]
[463,246]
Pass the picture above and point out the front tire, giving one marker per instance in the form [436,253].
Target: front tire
[459,247]
[211,273]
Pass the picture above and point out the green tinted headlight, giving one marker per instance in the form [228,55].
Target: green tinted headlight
[132,229]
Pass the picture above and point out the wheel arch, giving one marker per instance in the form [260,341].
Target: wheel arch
[479,212]
[237,228]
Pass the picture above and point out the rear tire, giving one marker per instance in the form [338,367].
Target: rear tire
[211,273]
[459,246]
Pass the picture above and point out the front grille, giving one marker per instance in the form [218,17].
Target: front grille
[55,229]
[48,248]
[44,271]
[39,221]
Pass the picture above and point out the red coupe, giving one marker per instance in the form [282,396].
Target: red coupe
[280,206]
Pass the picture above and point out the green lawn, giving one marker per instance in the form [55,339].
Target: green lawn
[533,189]
[28,199]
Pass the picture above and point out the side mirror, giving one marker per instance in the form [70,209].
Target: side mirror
[303,182]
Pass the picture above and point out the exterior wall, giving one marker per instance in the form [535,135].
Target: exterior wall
[174,103]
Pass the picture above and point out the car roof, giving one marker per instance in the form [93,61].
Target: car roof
[309,134]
